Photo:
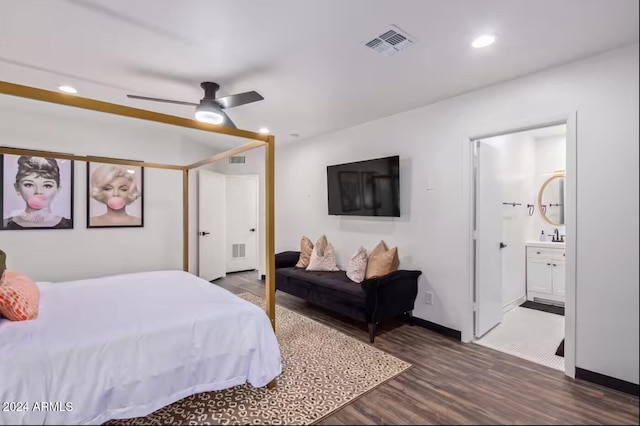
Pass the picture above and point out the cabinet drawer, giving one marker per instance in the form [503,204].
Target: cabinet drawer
[545,253]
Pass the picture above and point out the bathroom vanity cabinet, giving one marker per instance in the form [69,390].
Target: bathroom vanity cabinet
[546,270]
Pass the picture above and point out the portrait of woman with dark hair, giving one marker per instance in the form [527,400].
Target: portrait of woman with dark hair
[37,193]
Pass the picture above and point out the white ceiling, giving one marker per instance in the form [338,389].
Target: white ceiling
[72,121]
[306,57]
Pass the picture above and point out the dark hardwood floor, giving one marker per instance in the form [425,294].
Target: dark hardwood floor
[455,383]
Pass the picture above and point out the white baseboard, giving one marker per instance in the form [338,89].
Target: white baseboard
[517,302]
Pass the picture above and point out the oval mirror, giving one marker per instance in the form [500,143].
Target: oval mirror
[551,200]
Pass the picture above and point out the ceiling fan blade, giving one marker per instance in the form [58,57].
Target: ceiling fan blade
[168,101]
[239,99]
[227,121]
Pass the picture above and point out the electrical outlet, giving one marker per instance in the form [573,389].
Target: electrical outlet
[428,298]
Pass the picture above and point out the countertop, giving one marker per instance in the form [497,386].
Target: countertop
[545,244]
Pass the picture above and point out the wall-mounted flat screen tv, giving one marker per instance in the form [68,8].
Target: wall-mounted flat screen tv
[365,188]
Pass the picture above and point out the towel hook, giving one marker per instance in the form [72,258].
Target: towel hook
[531,208]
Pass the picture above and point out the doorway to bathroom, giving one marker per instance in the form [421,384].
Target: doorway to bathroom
[519,243]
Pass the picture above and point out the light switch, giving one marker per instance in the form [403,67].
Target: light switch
[430,186]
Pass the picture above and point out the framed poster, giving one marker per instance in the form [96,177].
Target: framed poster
[37,192]
[114,196]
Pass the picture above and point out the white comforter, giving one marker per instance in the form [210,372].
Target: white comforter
[126,345]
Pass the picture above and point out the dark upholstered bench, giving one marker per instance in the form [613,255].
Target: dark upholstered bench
[373,301]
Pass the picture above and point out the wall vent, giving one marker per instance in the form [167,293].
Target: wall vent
[237,251]
[391,41]
[237,159]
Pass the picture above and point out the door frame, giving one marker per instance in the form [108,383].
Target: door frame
[255,177]
[570,120]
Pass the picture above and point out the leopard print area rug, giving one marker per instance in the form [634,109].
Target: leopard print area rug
[323,370]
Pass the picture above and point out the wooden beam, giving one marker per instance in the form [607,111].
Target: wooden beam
[125,111]
[270,276]
[225,154]
[91,158]
[185,220]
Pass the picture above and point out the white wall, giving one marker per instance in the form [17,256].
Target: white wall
[432,234]
[550,155]
[55,255]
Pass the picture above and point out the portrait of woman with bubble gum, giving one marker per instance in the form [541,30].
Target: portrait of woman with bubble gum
[115,196]
[28,199]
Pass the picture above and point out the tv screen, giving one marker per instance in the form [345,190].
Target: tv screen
[365,188]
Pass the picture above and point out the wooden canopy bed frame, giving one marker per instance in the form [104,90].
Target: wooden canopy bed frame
[257,140]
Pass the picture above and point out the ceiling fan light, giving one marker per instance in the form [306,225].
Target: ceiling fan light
[209,117]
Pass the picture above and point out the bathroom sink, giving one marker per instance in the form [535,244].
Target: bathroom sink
[545,243]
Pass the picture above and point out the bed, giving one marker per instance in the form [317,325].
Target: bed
[126,345]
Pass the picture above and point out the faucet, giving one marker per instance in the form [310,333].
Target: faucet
[556,236]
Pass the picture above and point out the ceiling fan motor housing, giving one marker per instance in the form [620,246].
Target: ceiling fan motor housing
[210,90]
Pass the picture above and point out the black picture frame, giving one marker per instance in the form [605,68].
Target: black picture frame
[49,167]
[350,196]
[113,217]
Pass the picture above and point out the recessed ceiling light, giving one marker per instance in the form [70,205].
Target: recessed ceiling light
[263,130]
[483,41]
[67,89]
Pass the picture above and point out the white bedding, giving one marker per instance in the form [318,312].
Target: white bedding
[126,345]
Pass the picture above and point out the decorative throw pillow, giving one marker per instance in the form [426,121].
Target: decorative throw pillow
[321,244]
[358,266]
[382,261]
[325,262]
[19,297]
[306,246]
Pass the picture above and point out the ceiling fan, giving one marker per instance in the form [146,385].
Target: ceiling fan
[209,110]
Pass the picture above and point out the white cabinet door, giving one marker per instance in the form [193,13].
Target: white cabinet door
[558,274]
[539,276]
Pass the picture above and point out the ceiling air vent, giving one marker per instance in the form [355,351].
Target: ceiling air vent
[237,159]
[391,41]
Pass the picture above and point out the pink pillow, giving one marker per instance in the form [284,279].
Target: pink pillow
[19,297]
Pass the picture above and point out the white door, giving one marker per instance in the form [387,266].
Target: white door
[242,223]
[211,224]
[489,244]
